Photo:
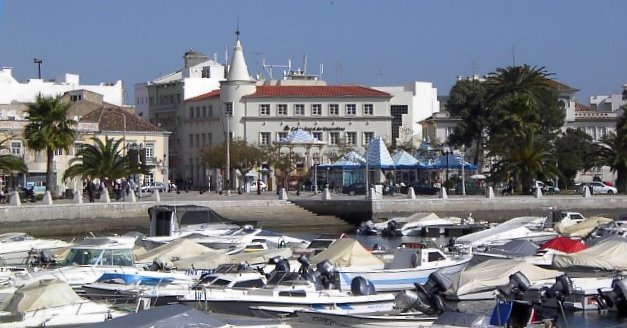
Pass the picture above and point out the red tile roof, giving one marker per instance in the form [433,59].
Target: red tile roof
[208,95]
[318,91]
[560,86]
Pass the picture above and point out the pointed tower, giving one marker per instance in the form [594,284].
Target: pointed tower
[238,70]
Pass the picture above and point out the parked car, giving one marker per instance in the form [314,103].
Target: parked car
[357,188]
[597,187]
[546,187]
[420,189]
[253,186]
[154,186]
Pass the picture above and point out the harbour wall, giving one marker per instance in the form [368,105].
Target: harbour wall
[297,213]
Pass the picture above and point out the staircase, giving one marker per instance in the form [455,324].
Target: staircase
[279,215]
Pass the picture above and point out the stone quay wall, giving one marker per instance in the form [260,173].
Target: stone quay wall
[299,212]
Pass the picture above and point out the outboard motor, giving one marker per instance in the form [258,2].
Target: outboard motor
[327,274]
[243,266]
[563,287]
[361,286]
[518,284]
[390,230]
[304,263]
[426,298]
[616,297]
[283,265]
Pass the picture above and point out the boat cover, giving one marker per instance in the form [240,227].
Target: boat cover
[261,256]
[596,241]
[583,228]
[494,273]
[514,228]
[517,247]
[175,250]
[208,260]
[174,315]
[348,252]
[564,244]
[608,255]
[42,294]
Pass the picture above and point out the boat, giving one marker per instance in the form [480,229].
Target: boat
[286,292]
[127,287]
[481,281]
[53,303]
[510,309]
[88,260]
[170,222]
[318,244]
[405,267]
[605,256]
[321,318]
[527,251]
[178,315]
[18,248]
[527,227]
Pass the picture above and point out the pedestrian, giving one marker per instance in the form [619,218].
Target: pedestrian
[91,190]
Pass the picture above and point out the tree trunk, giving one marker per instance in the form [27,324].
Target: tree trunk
[621,180]
[50,181]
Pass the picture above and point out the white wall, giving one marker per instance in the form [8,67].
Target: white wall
[12,90]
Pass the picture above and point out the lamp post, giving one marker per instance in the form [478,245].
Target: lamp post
[38,62]
[446,152]
[463,177]
[228,152]
[315,158]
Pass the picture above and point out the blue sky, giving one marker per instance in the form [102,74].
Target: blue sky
[367,42]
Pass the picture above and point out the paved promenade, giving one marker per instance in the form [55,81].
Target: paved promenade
[307,211]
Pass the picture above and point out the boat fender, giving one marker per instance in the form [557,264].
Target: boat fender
[361,286]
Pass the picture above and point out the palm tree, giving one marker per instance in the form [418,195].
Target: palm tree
[527,159]
[9,163]
[49,129]
[102,160]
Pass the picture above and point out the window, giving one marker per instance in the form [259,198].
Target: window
[334,138]
[228,109]
[204,140]
[210,114]
[209,139]
[191,140]
[368,136]
[368,109]
[351,109]
[264,109]
[77,147]
[351,138]
[150,153]
[191,112]
[316,109]
[281,109]
[281,135]
[334,109]
[299,109]
[204,111]
[16,148]
[264,138]
[317,135]
[198,112]
[58,152]
[197,140]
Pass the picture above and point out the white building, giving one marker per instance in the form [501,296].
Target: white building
[161,101]
[411,104]
[264,112]
[12,91]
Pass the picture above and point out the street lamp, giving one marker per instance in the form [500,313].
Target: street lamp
[446,151]
[463,177]
[38,62]
[315,158]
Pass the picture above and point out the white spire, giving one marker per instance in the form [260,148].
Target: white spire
[238,70]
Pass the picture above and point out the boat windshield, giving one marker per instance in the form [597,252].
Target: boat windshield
[89,256]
